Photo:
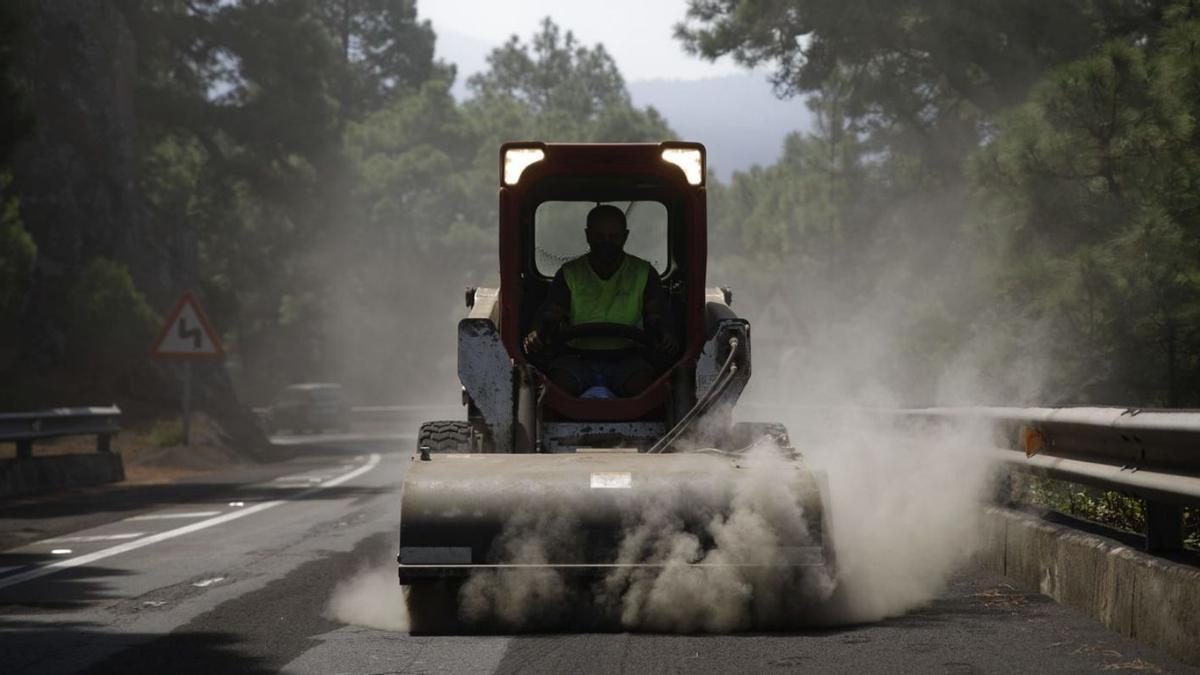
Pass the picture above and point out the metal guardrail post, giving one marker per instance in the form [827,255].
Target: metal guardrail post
[1164,527]
[1003,488]
[25,428]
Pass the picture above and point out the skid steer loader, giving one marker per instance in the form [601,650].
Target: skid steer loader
[529,448]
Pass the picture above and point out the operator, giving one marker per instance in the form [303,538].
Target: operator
[607,285]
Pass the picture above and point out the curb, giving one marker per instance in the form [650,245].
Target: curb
[1144,597]
[37,474]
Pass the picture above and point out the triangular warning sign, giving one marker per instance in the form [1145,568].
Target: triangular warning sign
[187,334]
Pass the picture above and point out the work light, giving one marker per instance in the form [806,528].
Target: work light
[691,160]
[516,160]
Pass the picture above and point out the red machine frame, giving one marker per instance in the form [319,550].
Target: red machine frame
[603,159]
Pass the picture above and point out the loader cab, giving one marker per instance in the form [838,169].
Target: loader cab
[546,191]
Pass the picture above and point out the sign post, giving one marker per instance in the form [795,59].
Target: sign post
[187,403]
[187,336]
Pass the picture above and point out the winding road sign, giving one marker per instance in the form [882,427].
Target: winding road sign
[187,334]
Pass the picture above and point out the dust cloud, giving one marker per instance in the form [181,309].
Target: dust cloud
[902,502]
[903,498]
[531,596]
[712,554]
[905,505]
[715,556]
[744,579]
[370,597]
[902,510]
[838,350]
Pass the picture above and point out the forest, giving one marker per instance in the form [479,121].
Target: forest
[998,203]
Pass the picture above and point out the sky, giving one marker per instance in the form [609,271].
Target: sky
[638,33]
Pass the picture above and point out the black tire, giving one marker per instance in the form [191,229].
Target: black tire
[445,436]
[433,607]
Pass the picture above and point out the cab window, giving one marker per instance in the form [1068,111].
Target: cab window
[558,233]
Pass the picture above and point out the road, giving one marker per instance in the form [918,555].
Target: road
[236,573]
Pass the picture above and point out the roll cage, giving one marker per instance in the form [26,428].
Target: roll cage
[625,172]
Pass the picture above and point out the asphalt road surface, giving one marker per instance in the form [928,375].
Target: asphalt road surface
[234,573]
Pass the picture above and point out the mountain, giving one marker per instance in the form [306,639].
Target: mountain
[737,117]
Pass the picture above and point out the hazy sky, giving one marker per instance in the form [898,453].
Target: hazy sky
[636,32]
[736,114]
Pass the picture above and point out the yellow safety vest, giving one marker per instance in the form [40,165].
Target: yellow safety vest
[617,299]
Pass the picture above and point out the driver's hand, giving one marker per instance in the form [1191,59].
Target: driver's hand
[533,342]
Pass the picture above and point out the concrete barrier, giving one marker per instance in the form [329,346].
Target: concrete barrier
[1151,599]
[38,474]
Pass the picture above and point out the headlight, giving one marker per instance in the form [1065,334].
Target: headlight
[691,160]
[516,160]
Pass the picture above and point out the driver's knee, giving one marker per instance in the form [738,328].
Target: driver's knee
[638,376]
[565,377]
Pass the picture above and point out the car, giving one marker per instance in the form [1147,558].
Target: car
[311,406]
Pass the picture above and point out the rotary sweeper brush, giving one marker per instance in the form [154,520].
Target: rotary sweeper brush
[597,461]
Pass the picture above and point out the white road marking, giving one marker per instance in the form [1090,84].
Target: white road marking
[171,516]
[301,477]
[208,582]
[59,565]
[61,551]
[92,537]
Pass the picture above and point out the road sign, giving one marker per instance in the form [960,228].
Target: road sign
[187,334]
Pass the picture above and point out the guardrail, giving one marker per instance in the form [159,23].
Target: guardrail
[25,428]
[1151,454]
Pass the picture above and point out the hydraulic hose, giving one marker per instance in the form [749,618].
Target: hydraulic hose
[720,383]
